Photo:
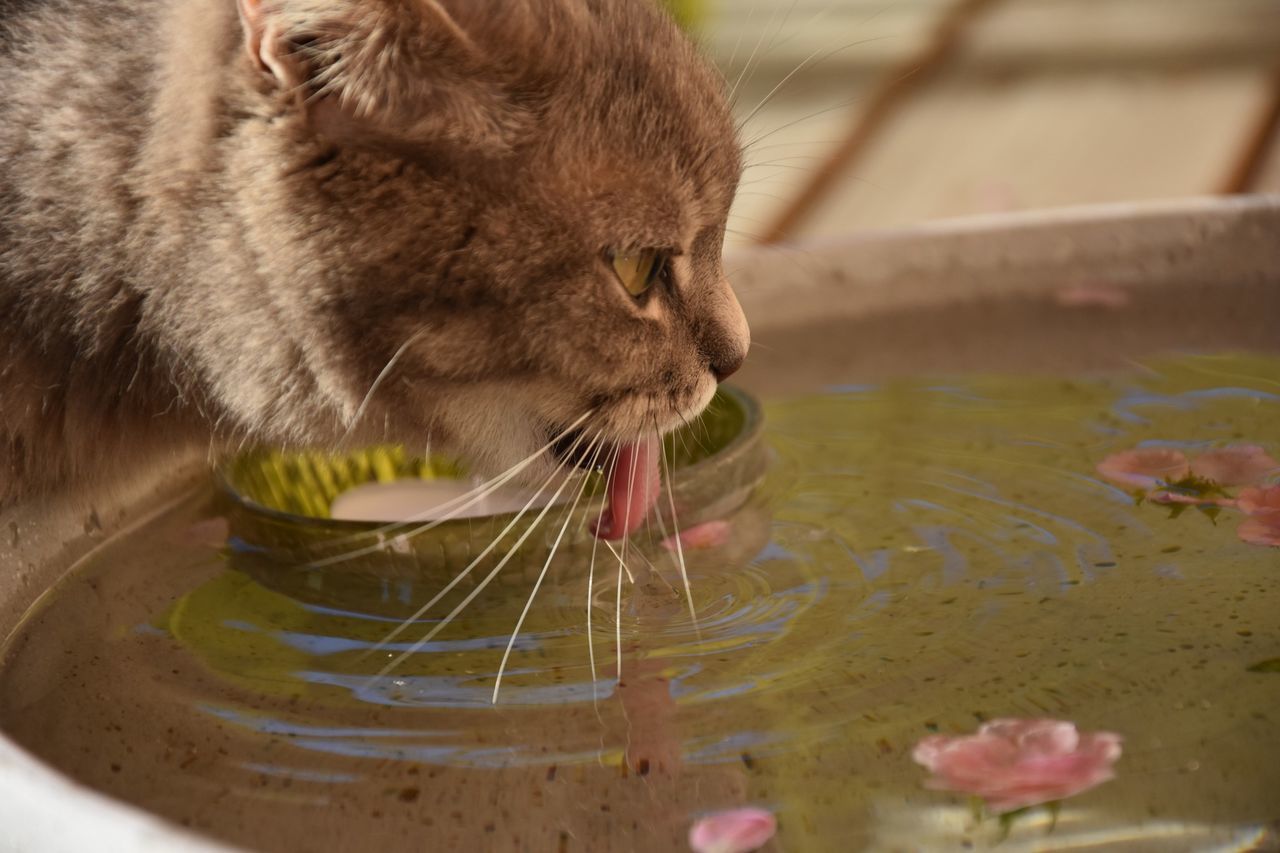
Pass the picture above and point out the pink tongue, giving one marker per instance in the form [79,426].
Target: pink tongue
[632,489]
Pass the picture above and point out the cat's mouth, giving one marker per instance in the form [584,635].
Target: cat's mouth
[571,449]
[632,478]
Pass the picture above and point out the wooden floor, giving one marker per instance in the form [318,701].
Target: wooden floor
[890,112]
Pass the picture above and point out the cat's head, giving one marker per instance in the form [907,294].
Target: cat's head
[483,219]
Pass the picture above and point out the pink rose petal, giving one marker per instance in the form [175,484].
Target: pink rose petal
[1162,496]
[1145,469]
[1012,763]
[1254,499]
[1238,465]
[712,534]
[736,831]
[1261,528]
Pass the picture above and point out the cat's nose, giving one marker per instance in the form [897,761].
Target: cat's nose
[724,367]
[728,337]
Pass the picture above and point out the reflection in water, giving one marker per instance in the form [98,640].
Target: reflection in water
[924,556]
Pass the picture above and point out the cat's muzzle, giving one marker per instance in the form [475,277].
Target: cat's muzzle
[573,449]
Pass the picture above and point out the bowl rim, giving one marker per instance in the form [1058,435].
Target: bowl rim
[748,433]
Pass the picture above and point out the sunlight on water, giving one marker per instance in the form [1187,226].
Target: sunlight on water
[924,555]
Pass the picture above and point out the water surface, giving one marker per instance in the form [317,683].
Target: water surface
[925,554]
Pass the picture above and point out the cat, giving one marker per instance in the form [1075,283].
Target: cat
[479,224]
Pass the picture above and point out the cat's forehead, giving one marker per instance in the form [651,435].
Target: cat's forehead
[623,97]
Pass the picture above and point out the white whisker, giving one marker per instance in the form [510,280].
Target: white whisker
[733,90]
[377,382]
[488,579]
[631,486]
[502,667]
[458,578]
[453,507]
[750,145]
[614,551]
[764,102]
[617,619]
[622,558]
[736,46]
[591,576]
[675,522]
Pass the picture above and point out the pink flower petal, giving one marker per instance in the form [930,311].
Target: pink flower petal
[1254,499]
[1145,469]
[1162,496]
[1049,736]
[1013,763]
[711,534]
[1261,528]
[1238,465]
[736,831]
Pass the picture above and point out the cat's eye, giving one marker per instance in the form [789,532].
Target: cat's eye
[638,270]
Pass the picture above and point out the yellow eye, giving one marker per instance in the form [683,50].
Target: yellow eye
[638,270]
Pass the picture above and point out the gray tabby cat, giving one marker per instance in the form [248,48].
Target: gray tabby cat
[471,222]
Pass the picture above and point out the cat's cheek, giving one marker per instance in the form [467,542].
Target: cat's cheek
[704,391]
[496,427]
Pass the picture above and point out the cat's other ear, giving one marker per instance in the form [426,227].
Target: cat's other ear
[263,43]
[400,69]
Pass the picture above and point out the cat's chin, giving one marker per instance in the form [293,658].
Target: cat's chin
[622,423]
[638,414]
[526,434]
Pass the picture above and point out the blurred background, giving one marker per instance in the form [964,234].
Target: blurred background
[878,113]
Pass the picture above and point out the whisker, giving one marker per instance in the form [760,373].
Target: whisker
[797,144]
[591,576]
[617,619]
[622,558]
[458,578]
[736,45]
[612,550]
[750,145]
[488,579]
[377,383]
[502,667]
[690,433]
[779,164]
[706,430]
[454,506]
[631,485]
[733,91]
[675,522]
[764,102]
[810,59]
[806,26]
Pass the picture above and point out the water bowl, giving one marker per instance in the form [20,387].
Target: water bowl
[361,527]
[939,551]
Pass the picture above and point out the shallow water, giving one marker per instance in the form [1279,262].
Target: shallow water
[924,555]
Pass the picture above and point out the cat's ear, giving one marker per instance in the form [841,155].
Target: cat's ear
[401,69]
[265,46]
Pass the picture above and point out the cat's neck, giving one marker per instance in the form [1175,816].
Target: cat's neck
[79,402]
[88,374]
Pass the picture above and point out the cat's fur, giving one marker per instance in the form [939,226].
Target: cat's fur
[223,223]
